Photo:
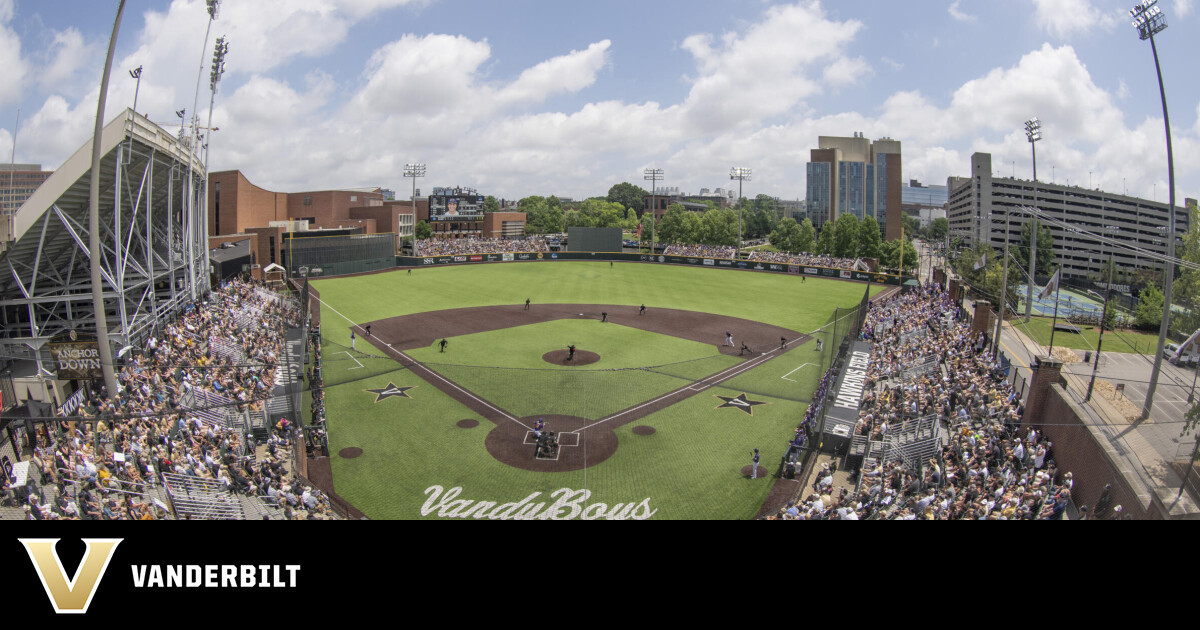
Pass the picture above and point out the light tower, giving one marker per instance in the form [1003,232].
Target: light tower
[653,175]
[741,175]
[1149,20]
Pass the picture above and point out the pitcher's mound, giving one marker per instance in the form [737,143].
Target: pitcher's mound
[559,357]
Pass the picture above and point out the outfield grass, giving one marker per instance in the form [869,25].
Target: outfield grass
[689,469]
[1123,340]
[520,382]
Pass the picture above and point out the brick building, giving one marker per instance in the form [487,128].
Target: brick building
[237,206]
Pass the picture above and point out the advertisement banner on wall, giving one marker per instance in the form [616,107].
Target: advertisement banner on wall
[76,360]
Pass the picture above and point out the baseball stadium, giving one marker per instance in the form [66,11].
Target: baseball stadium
[654,415]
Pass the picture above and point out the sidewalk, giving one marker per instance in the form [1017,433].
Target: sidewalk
[1149,448]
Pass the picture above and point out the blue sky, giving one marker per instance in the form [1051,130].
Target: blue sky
[527,97]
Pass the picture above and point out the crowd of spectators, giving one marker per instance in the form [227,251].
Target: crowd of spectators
[811,260]
[701,251]
[459,246]
[158,423]
[316,440]
[988,469]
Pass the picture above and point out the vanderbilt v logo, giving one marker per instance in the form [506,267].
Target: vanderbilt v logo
[75,596]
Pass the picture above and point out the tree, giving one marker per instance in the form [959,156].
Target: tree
[1150,309]
[627,195]
[423,230]
[845,236]
[1187,286]
[825,242]
[808,237]
[1045,246]
[671,228]
[912,226]
[490,204]
[786,236]
[719,228]
[890,254]
[938,229]
[869,241]
[541,217]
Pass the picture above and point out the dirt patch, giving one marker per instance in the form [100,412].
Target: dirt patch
[1129,411]
[559,357]
[1066,355]
[644,430]
[511,440]
[580,445]
[422,330]
[467,424]
[350,452]
[762,472]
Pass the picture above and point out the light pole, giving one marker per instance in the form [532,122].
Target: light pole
[741,175]
[105,350]
[1110,230]
[414,171]
[137,74]
[1149,19]
[1033,132]
[1003,284]
[653,175]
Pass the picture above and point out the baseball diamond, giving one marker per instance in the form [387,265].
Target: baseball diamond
[632,417]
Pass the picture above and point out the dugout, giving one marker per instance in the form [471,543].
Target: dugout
[581,239]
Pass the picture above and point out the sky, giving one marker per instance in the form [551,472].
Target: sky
[541,97]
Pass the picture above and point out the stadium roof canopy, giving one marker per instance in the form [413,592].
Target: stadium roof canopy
[152,236]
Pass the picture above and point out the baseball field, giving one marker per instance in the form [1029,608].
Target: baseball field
[654,415]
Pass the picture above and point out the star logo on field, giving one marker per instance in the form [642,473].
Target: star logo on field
[740,402]
[390,391]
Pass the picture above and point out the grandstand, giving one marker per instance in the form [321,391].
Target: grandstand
[198,428]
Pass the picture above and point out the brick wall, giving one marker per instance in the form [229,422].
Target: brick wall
[1092,460]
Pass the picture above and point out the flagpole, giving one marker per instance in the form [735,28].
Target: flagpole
[1055,324]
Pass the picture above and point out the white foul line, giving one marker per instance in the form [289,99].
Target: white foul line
[439,376]
[716,379]
[785,376]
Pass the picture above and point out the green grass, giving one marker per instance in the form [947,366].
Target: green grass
[689,469]
[1123,340]
[519,381]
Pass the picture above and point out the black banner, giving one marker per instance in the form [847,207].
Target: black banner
[847,391]
[719,263]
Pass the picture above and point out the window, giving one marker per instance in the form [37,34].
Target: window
[353,198]
[307,200]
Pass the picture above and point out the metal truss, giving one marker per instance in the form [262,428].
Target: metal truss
[154,254]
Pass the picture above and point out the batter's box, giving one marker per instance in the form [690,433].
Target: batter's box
[530,439]
[568,439]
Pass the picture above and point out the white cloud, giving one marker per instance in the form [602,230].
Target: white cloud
[786,50]
[568,73]
[1067,18]
[67,55]
[959,14]
[1183,7]
[10,57]
[892,63]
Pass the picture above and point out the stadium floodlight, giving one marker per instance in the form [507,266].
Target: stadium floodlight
[218,63]
[414,171]
[653,175]
[741,175]
[1033,132]
[214,7]
[1149,20]
[136,73]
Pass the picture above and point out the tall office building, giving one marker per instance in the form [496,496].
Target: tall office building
[856,176]
[979,204]
[17,184]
